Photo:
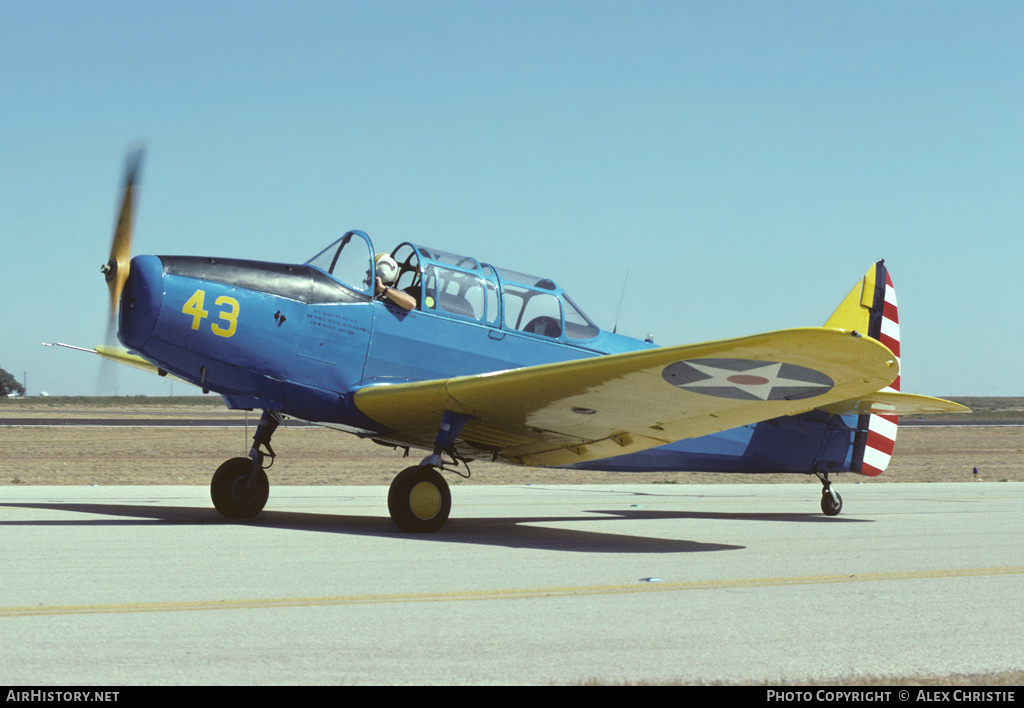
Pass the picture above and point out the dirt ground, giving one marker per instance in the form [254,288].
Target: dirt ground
[152,455]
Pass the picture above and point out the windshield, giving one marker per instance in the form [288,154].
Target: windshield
[349,260]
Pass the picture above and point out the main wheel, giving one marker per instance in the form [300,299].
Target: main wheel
[229,493]
[830,506]
[419,500]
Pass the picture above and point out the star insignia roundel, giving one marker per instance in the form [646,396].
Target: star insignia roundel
[747,379]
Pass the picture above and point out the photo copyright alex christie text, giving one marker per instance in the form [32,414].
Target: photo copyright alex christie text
[959,695]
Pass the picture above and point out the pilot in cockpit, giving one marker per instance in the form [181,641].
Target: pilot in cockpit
[387,273]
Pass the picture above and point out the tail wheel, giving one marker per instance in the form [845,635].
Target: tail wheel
[419,500]
[231,492]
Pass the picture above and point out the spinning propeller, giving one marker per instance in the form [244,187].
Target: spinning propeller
[116,269]
[116,273]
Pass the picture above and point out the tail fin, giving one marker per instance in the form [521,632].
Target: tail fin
[871,309]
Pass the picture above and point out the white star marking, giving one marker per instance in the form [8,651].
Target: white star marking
[757,382]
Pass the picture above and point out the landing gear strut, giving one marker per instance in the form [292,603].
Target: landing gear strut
[419,500]
[831,502]
[240,488]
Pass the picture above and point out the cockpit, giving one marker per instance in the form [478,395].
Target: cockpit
[462,288]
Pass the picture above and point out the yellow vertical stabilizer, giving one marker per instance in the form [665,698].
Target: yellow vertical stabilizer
[854,314]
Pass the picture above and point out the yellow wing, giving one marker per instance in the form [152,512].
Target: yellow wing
[557,414]
[121,356]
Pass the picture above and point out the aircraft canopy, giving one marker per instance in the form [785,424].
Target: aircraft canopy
[462,287]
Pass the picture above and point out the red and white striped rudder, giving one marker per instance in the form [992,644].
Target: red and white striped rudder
[881,436]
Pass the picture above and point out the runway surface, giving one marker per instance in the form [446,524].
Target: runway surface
[230,419]
[525,585]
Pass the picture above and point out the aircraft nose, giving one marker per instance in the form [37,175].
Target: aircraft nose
[140,301]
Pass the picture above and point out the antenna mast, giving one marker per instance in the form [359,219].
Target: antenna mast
[622,297]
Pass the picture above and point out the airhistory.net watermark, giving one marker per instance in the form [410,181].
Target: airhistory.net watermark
[40,696]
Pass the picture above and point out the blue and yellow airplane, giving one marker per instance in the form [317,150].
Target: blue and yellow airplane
[426,349]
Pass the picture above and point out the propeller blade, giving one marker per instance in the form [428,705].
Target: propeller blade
[116,269]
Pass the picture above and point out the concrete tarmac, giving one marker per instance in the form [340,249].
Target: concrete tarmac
[525,585]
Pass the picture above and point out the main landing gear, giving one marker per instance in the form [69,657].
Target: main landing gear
[240,488]
[831,502]
[419,500]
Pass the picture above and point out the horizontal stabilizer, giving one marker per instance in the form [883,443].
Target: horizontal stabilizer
[894,403]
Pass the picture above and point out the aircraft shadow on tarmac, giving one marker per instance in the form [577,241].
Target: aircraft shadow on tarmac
[511,532]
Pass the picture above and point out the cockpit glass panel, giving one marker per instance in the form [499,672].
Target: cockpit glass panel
[349,260]
[533,311]
[352,267]
[452,259]
[459,293]
[408,270]
[325,259]
[577,325]
[512,276]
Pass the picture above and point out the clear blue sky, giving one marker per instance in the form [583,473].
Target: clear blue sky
[745,162]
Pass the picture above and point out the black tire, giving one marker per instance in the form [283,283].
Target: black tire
[831,507]
[229,493]
[419,500]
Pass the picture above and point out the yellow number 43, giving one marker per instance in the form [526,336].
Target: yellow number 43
[229,313]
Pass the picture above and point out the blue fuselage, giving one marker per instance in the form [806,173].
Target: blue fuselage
[292,338]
